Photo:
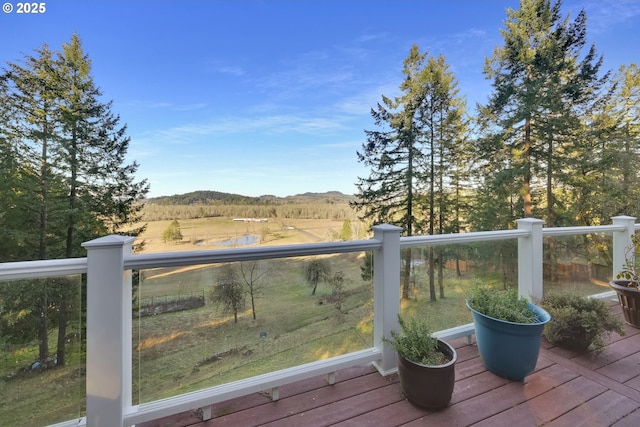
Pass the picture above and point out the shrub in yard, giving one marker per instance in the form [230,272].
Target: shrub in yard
[579,322]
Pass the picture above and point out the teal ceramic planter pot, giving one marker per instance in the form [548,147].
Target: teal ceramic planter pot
[509,350]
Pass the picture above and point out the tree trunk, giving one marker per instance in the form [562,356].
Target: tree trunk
[253,305]
[62,333]
[43,330]
[527,169]
[441,272]
[432,281]
[406,273]
[550,220]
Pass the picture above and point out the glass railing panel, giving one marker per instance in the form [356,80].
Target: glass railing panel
[441,278]
[580,264]
[206,325]
[42,373]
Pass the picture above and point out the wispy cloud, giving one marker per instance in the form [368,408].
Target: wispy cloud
[361,102]
[265,125]
[230,69]
[163,105]
[603,15]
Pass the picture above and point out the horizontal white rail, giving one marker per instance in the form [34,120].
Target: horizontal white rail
[80,422]
[46,268]
[178,259]
[476,236]
[70,266]
[201,398]
[570,231]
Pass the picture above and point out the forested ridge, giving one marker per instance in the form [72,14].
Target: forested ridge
[208,197]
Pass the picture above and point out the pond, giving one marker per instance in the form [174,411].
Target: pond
[248,239]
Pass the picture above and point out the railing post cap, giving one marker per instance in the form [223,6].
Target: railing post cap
[387,227]
[623,218]
[529,221]
[113,240]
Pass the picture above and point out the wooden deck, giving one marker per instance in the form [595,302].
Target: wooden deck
[566,389]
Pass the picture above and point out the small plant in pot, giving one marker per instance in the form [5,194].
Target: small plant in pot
[508,331]
[627,283]
[578,323]
[426,365]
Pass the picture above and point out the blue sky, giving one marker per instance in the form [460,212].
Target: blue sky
[273,97]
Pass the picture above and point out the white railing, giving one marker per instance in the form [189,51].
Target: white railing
[109,263]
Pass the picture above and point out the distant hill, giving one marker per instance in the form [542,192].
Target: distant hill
[329,196]
[206,197]
[203,198]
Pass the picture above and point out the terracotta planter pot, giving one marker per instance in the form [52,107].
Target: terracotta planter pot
[629,301]
[429,387]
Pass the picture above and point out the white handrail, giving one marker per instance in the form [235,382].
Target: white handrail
[46,268]
[570,231]
[455,238]
[178,259]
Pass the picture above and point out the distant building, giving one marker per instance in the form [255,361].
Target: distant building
[250,219]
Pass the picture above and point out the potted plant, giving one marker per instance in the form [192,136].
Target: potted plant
[579,322]
[425,364]
[626,285]
[508,331]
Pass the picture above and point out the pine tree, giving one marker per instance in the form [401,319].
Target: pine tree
[412,157]
[74,173]
[30,92]
[346,232]
[543,87]
[442,127]
[172,233]
[394,154]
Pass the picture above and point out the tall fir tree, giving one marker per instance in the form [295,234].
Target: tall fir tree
[411,154]
[76,174]
[442,127]
[394,155]
[30,92]
[543,84]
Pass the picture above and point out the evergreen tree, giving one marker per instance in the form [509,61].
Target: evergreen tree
[71,170]
[608,183]
[543,87]
[442,128]
[394,155]
[413,157]
[346,233]
[30,92]
[172,233]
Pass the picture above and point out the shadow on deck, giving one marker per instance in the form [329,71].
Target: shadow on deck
[566,389]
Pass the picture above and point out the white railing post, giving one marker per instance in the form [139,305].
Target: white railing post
[108,331]
[530,267]
[622,241]
[386,293]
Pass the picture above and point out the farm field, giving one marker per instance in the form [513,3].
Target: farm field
[214,233]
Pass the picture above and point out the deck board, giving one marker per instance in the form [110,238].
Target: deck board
[566,389]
